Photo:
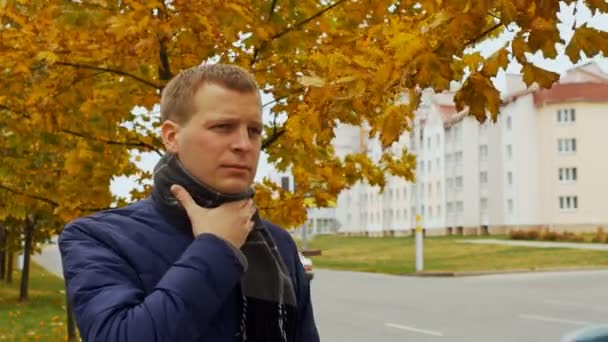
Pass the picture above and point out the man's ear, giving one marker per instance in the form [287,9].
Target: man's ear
[168,131]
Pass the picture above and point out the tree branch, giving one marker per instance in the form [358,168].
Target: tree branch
[113,71]
[164,68]
[307,20]
[483,34]
[272,139]
[113,142]
[297,25]
[36,197]
[46,200]
[256,50]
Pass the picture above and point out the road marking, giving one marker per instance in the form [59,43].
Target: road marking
[576,305]
[421,331]
[553,319]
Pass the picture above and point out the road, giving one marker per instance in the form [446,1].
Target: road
[516,307]
[530,307]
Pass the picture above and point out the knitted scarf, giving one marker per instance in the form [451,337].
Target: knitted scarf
[268,296]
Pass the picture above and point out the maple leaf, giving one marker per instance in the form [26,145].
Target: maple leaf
[544,78]
[589,41]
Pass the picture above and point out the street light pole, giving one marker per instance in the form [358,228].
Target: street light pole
[419,245]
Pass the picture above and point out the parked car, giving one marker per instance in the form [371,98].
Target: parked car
[307,263]
[595,333]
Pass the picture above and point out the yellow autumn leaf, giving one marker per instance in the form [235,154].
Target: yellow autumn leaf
[599,5]
[498,60]
[312,81]
[544,78]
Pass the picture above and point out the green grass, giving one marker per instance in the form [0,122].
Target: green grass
[443,254]
[42,317]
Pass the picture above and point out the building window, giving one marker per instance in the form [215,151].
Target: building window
[438,139]
[450,183]
[438,189]
[566,145]
[429,166]
[568,203]
[510,206]
[566,115]
[509,152]
[483,152]
[460,207]
[428,143]
[458,158]
[430,189]
[439,211]
[509,123]
[510,178]
[450,208]
[458,183]
[431,212]
[285,183]
[483,177]
[483,204]
[568,174]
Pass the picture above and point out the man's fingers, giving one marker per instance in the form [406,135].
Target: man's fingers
[182,196]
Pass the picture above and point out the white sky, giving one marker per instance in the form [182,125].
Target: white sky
[122,185]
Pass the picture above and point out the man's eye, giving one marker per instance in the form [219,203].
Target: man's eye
[255,131]
[222,126]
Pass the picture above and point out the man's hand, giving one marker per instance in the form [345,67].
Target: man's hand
[230,221]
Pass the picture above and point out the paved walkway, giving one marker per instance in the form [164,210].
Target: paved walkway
[50,258]
[542,244]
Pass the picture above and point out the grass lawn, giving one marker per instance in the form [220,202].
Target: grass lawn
[443,254]
[42,318]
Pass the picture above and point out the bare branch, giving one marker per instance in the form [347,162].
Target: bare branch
[137,143]
[307,20]
[290,28]
[36,197]
[483,34]
[272,139]
[113,71]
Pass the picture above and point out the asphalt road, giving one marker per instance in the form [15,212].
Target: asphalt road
[362,307]
[359,307]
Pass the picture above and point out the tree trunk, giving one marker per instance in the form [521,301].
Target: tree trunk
[27,251]
[9,266]
[70,318]
[3,241]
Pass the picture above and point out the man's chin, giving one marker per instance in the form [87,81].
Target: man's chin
[233,187]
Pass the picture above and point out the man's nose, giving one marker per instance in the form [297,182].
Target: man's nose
[241,140]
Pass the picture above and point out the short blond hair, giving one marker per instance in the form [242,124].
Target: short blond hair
[176,101]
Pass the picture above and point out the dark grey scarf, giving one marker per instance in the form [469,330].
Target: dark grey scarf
[269,301]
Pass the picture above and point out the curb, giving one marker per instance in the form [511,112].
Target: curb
[484,273]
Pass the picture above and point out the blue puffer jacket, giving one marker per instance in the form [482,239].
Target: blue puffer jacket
[132,276]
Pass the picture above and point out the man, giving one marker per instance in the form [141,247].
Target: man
[193,262]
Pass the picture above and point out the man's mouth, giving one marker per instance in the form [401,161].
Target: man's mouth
[237,167]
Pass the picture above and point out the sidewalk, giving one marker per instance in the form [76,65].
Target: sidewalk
[50,258]
[542,244]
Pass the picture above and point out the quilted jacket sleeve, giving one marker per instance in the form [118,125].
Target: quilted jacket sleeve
[110,305]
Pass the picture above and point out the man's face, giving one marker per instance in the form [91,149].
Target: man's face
[220,144]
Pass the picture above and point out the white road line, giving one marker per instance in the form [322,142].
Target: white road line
[576,305]
[553,319]
[421,331]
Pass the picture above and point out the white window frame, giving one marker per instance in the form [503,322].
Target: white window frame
[568,203]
